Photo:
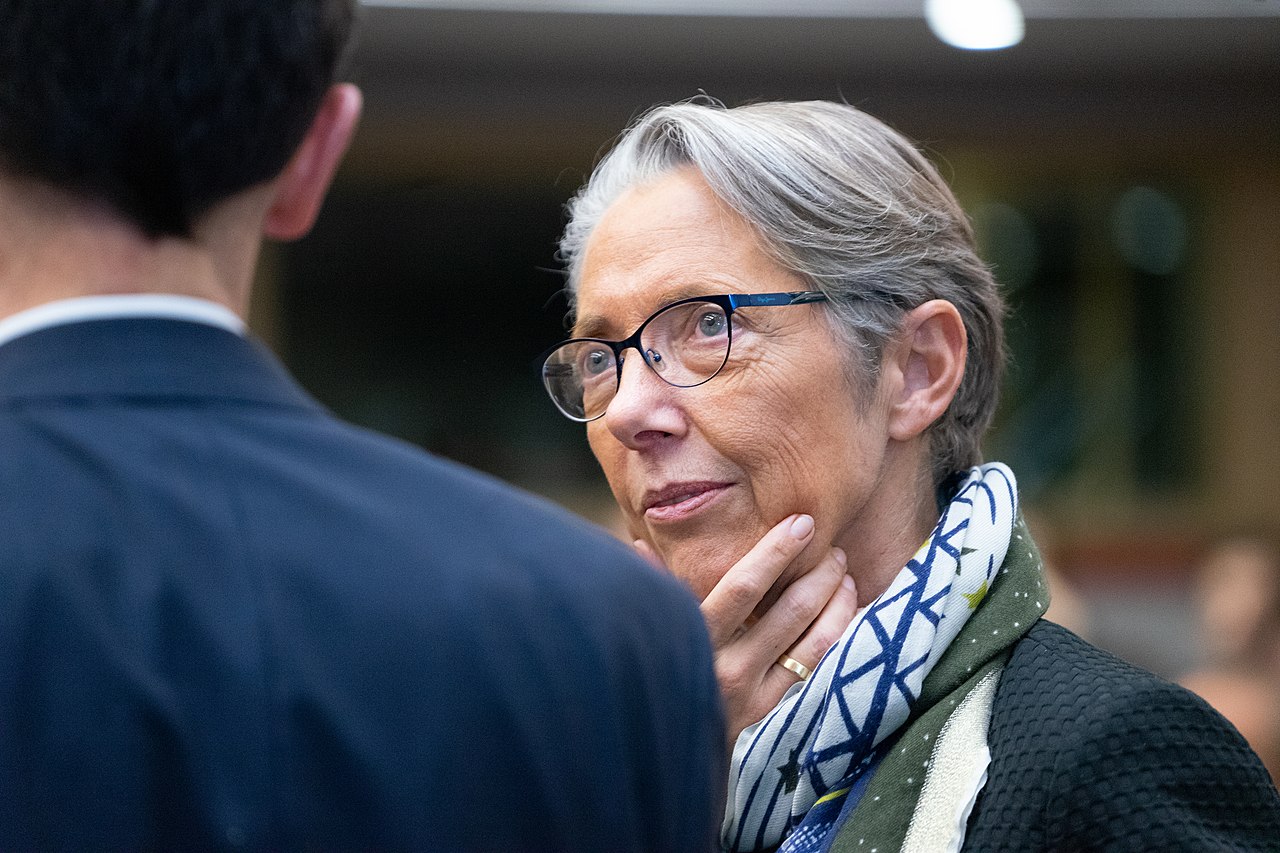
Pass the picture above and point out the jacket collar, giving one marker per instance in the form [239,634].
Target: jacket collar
[144,358]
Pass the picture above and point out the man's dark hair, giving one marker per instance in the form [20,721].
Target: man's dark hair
[162,108]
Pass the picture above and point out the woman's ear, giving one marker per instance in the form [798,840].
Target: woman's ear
[300,189]
[927,362]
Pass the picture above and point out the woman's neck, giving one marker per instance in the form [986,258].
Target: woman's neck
[891,529]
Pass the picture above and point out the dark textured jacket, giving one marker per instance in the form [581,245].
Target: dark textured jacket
[1091,754]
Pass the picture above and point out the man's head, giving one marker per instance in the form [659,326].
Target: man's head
[162,108]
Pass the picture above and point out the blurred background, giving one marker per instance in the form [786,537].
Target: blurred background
[1121,163]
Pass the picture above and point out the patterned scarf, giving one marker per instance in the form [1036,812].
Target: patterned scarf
[823,736]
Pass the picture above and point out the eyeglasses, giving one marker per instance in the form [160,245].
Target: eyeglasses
[684,343]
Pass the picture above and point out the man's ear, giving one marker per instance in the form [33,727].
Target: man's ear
[927,360]
[300,189]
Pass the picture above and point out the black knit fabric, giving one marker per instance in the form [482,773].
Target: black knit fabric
[1092,754]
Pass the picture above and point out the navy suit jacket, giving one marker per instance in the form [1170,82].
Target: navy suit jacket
[229,620]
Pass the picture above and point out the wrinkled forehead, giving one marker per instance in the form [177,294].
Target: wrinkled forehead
[658,243]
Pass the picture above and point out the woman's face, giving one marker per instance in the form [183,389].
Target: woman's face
[702,473]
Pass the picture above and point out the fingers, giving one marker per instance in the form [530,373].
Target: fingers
[751,681]
[771,601]
[807,651]
[826,629]
[733,598]
[800,609]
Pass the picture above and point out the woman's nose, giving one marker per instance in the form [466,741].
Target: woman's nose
[643,410]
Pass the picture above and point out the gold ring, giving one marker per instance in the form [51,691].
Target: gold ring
[795,666]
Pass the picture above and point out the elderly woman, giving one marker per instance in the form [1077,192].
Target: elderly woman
[786,353]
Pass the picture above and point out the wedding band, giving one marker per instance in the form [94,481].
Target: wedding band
[795,666]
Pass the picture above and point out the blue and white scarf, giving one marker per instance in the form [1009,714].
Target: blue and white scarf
[821,738]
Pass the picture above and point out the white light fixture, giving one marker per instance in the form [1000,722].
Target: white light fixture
[976,24]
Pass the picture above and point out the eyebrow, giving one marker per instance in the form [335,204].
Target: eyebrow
[596,325]
[590,326]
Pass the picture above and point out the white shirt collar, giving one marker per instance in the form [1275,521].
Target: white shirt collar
[158,305]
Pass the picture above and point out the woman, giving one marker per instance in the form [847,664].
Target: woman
[786,353]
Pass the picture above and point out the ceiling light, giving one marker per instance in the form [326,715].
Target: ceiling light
[975,24]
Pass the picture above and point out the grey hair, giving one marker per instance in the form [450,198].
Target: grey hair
[846,203]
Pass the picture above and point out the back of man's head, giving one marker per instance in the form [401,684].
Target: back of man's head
[162,108]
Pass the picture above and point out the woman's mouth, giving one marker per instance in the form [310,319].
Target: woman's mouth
[680,500]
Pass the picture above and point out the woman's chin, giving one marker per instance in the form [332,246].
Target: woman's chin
[701,568]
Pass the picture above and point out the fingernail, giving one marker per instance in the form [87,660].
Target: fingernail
[802,527]
[840,556]
[847,583]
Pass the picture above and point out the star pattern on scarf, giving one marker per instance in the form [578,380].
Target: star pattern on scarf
[975,598]
[791,770]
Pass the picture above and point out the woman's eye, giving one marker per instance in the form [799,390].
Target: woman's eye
[596,362]
[712,323]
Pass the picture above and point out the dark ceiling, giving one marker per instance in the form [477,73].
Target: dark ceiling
[500,90]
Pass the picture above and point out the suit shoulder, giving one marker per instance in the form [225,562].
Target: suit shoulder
[472,517]
[442,485]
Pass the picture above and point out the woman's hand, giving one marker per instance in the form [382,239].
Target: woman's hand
[808,616]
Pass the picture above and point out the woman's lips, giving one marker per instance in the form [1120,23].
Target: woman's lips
[678,502]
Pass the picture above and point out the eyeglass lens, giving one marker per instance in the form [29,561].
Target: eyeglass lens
[685,344]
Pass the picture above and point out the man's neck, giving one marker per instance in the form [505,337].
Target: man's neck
[53,246]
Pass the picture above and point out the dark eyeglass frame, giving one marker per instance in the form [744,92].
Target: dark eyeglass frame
[727,302]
